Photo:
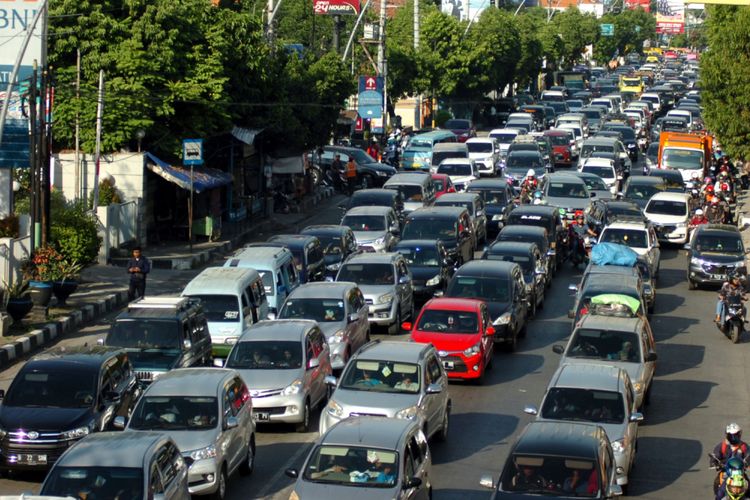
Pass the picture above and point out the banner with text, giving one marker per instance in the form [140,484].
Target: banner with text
[670,16]
[336,7]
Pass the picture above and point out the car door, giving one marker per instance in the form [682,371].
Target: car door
[539,277]
[417,467]
[631,430]
[361,325]
[433,404]
[236,439]
[173,471]
[404,288]
[228,441]
[520,297]
[654,250]
[487,340]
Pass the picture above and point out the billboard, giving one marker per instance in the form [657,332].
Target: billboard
[670,16]
[634,4]
[464,10]
[15,17]
[336,7]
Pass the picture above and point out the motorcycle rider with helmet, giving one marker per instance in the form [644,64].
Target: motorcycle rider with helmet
[698,218]
[731,452]
[734,488]
[730,288]
[529,185]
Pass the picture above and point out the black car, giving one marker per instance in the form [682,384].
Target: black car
[429,265]
[376,197]
[529,234]
[601,213]
[58,398]
[501,286]
[549,218]
[338,244]
[451,225]
[308,255]
[673,178]
[498,201]
[533,265]
[629,138]
[370,172]
[639,189]
[713,251]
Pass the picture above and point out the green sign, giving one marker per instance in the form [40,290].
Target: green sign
[607,29]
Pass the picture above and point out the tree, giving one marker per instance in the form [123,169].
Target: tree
[632,28]
[497,36]
[577,31]
[530,53]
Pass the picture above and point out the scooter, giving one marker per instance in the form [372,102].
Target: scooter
[733,322]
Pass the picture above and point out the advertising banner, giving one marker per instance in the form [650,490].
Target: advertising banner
[670,16]
[634,4]
[465,10]
[336,7]
[15,17]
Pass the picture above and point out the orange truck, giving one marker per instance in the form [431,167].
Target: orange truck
[690,153]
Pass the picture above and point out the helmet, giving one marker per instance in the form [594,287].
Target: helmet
[710,188]
[734,431]
[707,180]
[699,212]
[530,173]
[537,194]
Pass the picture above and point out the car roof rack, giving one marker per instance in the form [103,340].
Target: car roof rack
[178,303]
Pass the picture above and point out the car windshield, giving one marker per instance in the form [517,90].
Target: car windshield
[524,161]
[615,210]
[491,197]
[557,189]
[429,229]
[381,376]
[592,115]
[332,245]
[441,321]
[603,172]
[479,147]
[144,333]
[320,310]
[265,355]
[574,103]
[568,403]
[364,222]
[643,191]
[439,156]
[627,132]
[559,140]
[524,261]
[454,169]
[594,183]
[635,238]
[468,205]
[457,124]
[551,476]
[588,149]
[361,157]
[665,207]
[653,151]
[175,413]
[354,466]
[57,387]
[220,308]
[504,138]
[367,274]
[94,482]
[718,243]
[409,192]
[682,159]
[487,289]
[604,344]
[267,277]
[420,256]
[523,219]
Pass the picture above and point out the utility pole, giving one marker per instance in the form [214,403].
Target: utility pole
[44,199]
[78,129]
[33,154]
[381,61]
[97,153]
[418,114]
[336,31]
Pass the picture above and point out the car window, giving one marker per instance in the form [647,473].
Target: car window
[434,370]
[416,452]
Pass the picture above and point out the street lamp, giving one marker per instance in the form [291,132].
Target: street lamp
[140,134]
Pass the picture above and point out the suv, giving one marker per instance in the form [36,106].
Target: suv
[669,213]
[208,413]
[376,229]
[385,281]
[451,225]
[713,251]
[409,381]
[474,203]
[162,333]
[566,192]
[338,244]
[637,235]
[370,172]
[550,219]
[308,254]
[497,195]
[59,397]
[485,151]
[604,212]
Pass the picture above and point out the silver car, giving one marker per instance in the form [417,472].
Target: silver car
[385,281]
[627,343]
[367,458]
[341,312]
[285,364]
[393,379]
[599,394]
[565,191]
[208,413]
[376,229]
[120,464]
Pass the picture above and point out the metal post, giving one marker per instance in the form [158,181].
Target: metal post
[190,211]
[336,31]
[97,153]
[34,212]
[418,114]
[78,128]
[381,59]
[354,31]
[269,24]
[44,191]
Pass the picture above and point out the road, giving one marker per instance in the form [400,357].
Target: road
[699,387]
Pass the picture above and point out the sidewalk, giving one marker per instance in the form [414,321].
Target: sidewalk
[103,288]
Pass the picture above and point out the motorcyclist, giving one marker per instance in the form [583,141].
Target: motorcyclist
[530,182]
[731,288]
[729,477]
[698,218]
[734,488]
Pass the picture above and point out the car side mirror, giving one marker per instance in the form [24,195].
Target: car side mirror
[313,363]
[636,417]
[112,397]
[119,422]
[352,318]
[530,410]
[592,194]
[403,280]
[486,481]
[651,357]
[490,331]
[434,389]
[293,473]
[231,423]
[412,482]
[331,380]
[187,344]
[558,349]
[99,341]
[219,363]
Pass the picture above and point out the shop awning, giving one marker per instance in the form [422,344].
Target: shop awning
[288,165]
[246,135]
[204,178]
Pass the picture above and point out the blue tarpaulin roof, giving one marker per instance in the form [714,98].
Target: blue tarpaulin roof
[204,178]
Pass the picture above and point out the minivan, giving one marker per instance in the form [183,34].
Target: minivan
[448,150]
[417,189]
[418,153]
[451,225]
[276,268]
[233,299]
[308,255]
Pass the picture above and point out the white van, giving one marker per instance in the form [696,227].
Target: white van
[233,299]
[276,268]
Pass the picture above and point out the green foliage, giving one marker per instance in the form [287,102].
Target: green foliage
[575,30]
[9,226]
[108,194]
[632,28]
[725,77]
[496,35]
[73,231]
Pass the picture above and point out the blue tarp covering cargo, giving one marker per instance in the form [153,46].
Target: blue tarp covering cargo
[612,254]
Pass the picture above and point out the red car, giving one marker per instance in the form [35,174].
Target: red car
[461,332]
[463,129]
[443,184]
[561,147]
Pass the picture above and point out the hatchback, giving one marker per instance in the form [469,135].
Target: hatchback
[376,229]
[338,243]
[429,264]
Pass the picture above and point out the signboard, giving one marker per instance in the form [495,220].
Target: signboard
[367,82]
[634,4]
[370,104]
[336,7]
[192,152]
[15,17]
[607,29]
[376,125]
[465,10]
[670,16]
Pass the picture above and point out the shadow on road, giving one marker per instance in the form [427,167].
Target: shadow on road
[667,302]
[543,333]
[675,358]
[513,366]
[666,327]
[488,430]
[673,399]
[654,472]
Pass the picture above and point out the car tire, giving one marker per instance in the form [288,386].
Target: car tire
[304,426]
[512,345]
[692,285]
[248,465]
[221,488]
[393,329]
[442,434]
[366,182]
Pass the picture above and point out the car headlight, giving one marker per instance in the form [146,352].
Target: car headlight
[638,386]
[473,350]
[619,445]
[435,280]
[379,241]
[498,217]
[293,388]
[78,433]
[204,453]
[385,298]
[696,261]
[336,337]
[335,409]
[408,413]
[381,174]
[333,267]
[504,319]
[3,433]
[681,224]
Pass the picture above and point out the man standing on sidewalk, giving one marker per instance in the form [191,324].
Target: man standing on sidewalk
[351,174]
[138,267]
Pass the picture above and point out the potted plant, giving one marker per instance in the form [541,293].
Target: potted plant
[17,299]
[66,280]
[40,271]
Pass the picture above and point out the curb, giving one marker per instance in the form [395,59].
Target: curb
[88,313]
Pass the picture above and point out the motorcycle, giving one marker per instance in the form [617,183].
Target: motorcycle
[733,324]
[723,471]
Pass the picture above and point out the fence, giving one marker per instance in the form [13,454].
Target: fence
[13,251]
[118,226]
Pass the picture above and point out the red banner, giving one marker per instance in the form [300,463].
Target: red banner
[634,4]
[336,7]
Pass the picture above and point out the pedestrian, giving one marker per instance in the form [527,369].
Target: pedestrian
[351,174]
[138,267]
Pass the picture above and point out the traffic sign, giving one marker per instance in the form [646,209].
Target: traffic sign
[371,83]
[607,29]
[370,104]
[192,151]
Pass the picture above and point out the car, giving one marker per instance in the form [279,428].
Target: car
[375,197]
[605,169]
[462,333]
[636,235]
[605,284]
[714,250]
[59,397]
[160,334]
[625,342]
[443,185]
[566,192]
[601,395]
[464,129]
[341,312]
[578,119]
[550,218]
[308,254]
[673,178]
[532,263]
[447,151]
[429,264]
[451,225]
[462,171]
[564,147]
[502,287]
[386,282]
[621,274]
[639,189]
[611,145]
[556,452]
[629,138]
[416,188]
[651,157]
[370,172]
[497,195]
[368,457]
[472,202]
[284,363]
[595,117]
[208,414]
[595,184]
[520,162]
[338,244]
[504,138]
[120,465]
[530,234]
[485,151]
[393,380]
[375,229]
[669,214]
[604,212]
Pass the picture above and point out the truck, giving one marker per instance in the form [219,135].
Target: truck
[573,80]
[632,84]
[690,153]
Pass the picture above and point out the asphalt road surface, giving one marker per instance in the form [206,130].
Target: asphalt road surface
[700,386]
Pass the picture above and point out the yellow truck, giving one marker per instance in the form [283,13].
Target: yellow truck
[631,84]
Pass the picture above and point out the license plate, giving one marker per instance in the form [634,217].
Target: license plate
[261,416]
[718,277]
[28,459]
[448,365]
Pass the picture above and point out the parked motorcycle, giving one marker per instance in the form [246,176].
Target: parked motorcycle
[733,322]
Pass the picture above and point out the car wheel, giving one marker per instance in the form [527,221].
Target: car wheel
[221,488]
[512,344]
[366,182]
[248,465]
[304,426]
[393,329]
[692,285]
[442,435]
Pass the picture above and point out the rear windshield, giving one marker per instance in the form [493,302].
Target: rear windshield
[479,147]
[440,321]
[604,344]
[665,207]
[629,237]
[534,474]
[487,289]
[718,243]
[220,308]
[454,169]
[569,403]
[603,172]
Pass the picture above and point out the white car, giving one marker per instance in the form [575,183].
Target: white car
[683,114]
[604,168]
[485,151]
[576,119]
[637,235]
[669,213]
[462,171]
[504,137]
